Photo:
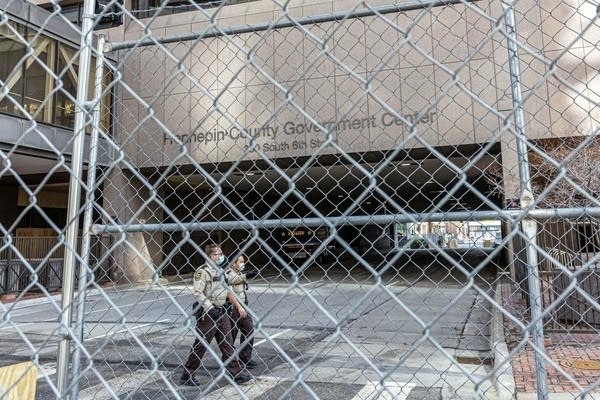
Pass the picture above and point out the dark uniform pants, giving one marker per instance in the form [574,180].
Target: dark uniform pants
[246,328]
[221,331]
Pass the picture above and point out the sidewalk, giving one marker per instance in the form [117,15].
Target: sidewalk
[577,355]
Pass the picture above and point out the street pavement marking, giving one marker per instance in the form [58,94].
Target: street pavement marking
[25,304]
[252,390]
[121,385]
[272,337]
[16,325]
[393,391]
[109,333]
[123,306]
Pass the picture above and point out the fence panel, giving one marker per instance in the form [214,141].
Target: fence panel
[404,193]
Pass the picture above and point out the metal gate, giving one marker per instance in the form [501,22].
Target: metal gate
[398,179]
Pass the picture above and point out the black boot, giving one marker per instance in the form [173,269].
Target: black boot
[243,378]
[188,379]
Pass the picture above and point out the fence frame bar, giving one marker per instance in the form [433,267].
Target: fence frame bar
[344,220]
[81,111]
[88,214]
[528,225]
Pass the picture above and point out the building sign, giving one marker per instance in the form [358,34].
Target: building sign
[285,136]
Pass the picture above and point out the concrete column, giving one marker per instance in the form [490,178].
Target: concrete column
[139,256]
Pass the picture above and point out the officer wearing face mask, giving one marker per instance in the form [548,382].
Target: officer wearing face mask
[212,320]
[241,322]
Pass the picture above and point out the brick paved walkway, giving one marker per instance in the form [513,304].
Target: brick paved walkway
[563,348]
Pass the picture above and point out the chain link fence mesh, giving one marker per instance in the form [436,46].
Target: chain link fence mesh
[378,165]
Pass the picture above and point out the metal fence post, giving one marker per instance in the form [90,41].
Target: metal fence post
[528,224]
[87,218]
[74,197]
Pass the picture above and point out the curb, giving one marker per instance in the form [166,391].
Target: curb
[559,396]
[504,379]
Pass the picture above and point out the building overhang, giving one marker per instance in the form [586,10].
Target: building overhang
[38,140]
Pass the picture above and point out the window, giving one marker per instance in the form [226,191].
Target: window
[73,12]
[148,8]
[38,82]
[112,13]
[12,50]
[106,105]
[67,73]
[30,77]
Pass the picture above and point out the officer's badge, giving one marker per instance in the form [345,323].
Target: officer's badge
[198,274]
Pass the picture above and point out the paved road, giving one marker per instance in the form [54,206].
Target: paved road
[326,336]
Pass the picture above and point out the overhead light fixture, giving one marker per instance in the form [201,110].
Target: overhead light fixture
[405,164]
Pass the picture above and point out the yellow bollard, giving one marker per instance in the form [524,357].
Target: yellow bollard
[18,381]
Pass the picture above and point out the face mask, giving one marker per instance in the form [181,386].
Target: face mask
[242,267]
[220,260]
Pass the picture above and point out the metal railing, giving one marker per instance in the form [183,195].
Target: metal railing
[37,263]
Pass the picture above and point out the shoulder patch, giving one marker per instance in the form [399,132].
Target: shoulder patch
[198,274]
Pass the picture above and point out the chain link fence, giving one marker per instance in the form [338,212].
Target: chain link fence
[412,186]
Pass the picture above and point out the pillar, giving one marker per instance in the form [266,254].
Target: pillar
[139,257]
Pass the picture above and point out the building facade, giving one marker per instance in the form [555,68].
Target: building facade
[38,70]
[38,74]
[426,91]
[395,112]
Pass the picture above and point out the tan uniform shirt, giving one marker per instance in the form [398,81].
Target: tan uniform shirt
[209,287]
[237,281]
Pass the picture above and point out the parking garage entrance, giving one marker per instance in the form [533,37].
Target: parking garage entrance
[335,186]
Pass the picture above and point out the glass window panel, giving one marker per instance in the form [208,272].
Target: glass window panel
[105,114]
[68,69]
[67,73]
[38,82]
[12,50]
[91,92]
[112,12]
[105,110]
[72,13]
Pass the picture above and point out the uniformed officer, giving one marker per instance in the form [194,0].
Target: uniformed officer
[240,320]
[210,291]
